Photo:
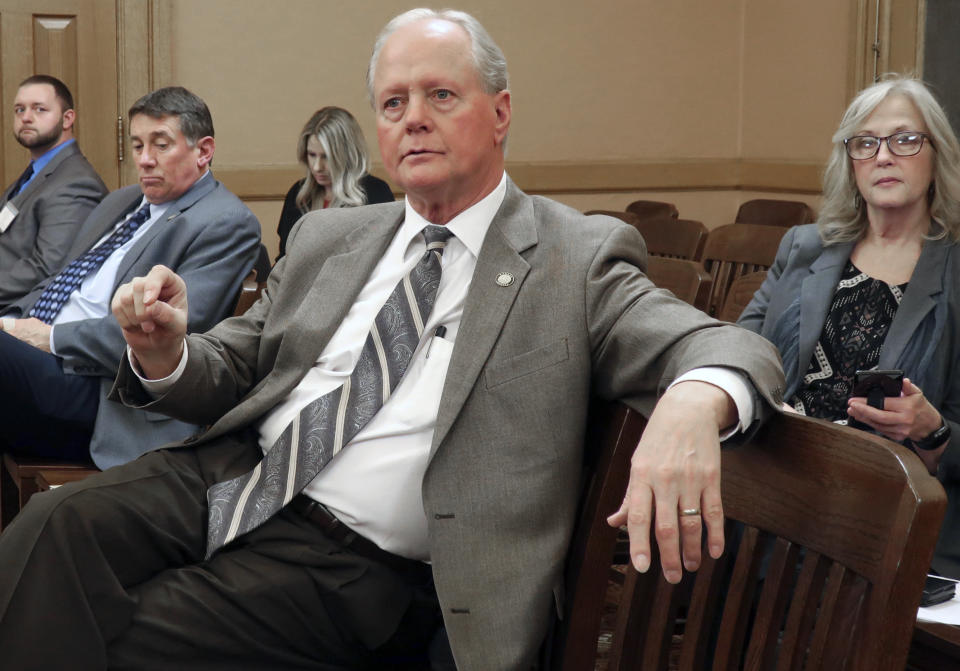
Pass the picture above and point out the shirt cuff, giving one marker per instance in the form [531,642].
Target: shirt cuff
[157,388]
[53,351]
[735,384]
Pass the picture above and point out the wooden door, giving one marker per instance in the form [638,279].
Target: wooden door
[75,41]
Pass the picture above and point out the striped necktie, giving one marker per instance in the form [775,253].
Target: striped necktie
[57,293]
[323,427]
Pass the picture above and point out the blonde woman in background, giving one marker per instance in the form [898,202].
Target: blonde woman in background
[334,153]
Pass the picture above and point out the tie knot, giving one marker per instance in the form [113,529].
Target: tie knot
[436,236]
[141,215]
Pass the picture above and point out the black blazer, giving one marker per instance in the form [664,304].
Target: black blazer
[377,191]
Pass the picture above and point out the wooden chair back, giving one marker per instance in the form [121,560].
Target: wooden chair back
[249,293]
[653,209]
[771,212]
[830,534]
[734,250]
[617,214]
[687,280]
[675,238]
[740,294]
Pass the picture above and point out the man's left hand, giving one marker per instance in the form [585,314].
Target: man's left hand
[31,331]
[676,467]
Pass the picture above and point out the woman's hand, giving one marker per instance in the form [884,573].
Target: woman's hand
[910,415]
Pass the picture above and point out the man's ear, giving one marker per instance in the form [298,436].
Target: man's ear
[69,117]
[206,146]
[501,107]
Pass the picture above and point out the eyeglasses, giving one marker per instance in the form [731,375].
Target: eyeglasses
[906,143]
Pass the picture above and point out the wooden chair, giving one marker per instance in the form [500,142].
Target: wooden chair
[675,238]
[734,250]
[623,216]
[653,209]
[770,212]
[836,531]
[18,480]
[740,294]
[688,280]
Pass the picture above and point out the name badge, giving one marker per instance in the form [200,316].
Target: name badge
[7,215]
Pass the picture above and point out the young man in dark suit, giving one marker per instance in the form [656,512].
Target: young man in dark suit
[42,210]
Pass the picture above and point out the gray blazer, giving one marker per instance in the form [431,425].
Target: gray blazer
[52,208]
[502,485]
[211,240]
[806,268]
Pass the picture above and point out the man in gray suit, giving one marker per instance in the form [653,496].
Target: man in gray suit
[42,210]
[471,461]
[60,347]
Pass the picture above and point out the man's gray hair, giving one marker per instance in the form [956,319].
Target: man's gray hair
[488,59]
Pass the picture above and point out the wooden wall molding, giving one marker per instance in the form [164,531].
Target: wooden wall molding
[272,182]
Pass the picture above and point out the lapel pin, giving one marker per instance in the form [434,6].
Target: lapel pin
[505,279]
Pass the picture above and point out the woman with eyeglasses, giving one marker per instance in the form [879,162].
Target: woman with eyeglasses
[875,284]
[332,150]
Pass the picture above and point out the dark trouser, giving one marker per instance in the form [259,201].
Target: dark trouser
[44,411]
[109,573]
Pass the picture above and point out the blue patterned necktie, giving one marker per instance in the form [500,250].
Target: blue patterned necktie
[55,296]
[21,180]
[322,428]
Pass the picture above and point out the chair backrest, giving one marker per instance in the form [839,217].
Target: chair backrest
[740,294]
[653,209]
[676,238]
[769,212]
[612,434]
[688,280]
[830,534]
[734,250]
[249,293]
[623,216]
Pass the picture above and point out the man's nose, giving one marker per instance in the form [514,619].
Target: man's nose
[145,158]
[417,117]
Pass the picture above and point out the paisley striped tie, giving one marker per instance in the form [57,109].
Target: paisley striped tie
[327,424]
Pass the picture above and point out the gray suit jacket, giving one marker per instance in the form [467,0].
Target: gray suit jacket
[211,240]
[806,268]
[52,208]
[502,485]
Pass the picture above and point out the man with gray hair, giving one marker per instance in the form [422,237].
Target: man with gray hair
[396,429]
[60,347]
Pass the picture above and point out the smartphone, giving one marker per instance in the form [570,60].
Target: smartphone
[877,384]
[937,590]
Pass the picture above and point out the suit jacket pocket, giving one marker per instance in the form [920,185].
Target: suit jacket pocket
[524,364]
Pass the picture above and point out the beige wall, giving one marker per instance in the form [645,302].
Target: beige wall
[606,87]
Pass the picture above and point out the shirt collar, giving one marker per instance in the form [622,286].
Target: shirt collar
[470,226]
[41,163]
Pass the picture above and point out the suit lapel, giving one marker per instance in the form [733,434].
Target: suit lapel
[200,188]
[824,276]
[925,284]
[333,292]
[106,220]
[488,303]
[41,176]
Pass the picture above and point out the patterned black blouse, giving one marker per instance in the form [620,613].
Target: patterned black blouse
[853,333]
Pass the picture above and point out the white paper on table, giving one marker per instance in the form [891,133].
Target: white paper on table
[947,612]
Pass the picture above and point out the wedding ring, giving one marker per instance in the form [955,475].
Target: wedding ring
[689,512]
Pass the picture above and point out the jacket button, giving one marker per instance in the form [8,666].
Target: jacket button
[190,439]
